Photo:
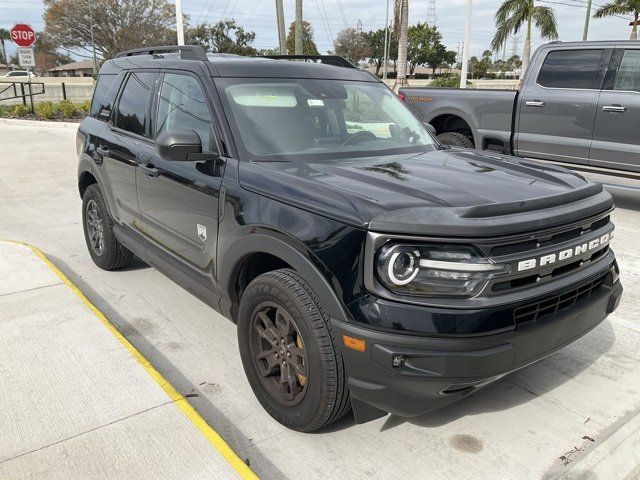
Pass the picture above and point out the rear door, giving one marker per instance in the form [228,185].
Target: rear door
[557,109]
[179,200]
[616,134]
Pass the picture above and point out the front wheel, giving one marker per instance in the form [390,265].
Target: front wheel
[456,139]
[289,353]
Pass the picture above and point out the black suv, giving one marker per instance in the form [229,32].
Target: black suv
[366,266]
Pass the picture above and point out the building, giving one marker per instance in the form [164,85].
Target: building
[73,69]
[4,68]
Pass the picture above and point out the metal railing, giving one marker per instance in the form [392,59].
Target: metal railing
[13,87]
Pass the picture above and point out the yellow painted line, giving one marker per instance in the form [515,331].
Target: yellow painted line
[181,402]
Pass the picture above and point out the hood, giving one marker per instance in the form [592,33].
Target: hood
[443,192]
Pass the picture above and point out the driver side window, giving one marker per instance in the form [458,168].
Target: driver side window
[182,105]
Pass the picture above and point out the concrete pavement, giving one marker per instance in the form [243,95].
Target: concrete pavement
[78,401]
[535,423]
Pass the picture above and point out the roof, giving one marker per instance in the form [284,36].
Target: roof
[592,43]
[84,65]
[224,65]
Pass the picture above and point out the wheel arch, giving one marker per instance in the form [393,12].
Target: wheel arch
[453,120]
[260,252]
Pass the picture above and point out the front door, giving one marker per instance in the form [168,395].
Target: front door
[616,135]
[179,200]
[557,110]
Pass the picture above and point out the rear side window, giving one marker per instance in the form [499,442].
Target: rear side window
[628,76]
[132,110]
[103,96]
[571,69]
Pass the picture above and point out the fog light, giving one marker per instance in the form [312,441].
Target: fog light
[398,361]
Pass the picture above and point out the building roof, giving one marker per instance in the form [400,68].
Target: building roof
[84,65]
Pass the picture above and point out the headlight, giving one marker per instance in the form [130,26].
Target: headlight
[435,271]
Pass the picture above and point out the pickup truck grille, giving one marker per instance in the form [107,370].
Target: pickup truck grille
[549,306]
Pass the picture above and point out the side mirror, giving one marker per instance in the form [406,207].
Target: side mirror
[430,128]
[179,145]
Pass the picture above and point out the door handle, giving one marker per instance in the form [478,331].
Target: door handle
[151,171]
[103,151]
[535,103]
[614,108]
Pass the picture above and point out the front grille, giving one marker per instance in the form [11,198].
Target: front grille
[552,305]
[544,240]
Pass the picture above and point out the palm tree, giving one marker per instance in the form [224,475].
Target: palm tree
[510,17]
[622,7]
[4,35]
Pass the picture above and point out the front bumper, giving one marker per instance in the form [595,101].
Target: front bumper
[437,370]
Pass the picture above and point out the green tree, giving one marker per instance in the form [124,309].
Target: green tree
[375,38]
[118,25]
[4,35]
[308,45]
[47,54]
[425,48]
[479,67]
[352,45]
[622,7]
[513,14]
[225,36]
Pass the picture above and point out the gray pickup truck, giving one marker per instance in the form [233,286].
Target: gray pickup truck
[579,103]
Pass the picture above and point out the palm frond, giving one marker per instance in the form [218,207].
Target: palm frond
[618,7]
[509,19]
[545,19]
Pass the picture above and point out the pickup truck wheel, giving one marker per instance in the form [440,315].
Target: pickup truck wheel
[456,139]
[104,248]
[289,353]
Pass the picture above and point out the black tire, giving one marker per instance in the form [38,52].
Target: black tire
[112,255]
[324,397]
[456,139]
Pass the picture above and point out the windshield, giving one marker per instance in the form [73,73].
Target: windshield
[298,119]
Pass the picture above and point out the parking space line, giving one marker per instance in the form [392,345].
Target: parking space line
[180,401]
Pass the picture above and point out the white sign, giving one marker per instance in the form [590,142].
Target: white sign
[26,57]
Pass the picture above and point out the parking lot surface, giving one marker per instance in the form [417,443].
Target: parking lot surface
[536,423]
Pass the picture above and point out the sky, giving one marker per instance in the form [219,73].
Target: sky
[328,17]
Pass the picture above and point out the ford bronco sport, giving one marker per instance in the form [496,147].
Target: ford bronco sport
[366,266]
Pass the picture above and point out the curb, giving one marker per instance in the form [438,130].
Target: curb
[182,403]
[38,123]
[616,457]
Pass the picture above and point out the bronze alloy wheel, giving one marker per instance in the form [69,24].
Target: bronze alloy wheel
[278,353]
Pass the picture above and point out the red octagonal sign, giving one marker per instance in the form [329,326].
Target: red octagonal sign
[23,35]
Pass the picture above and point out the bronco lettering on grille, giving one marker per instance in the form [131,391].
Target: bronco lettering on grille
[566,254]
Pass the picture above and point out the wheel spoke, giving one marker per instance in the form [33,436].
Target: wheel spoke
[283,323]
[266,329]
[268,362]
[288,385]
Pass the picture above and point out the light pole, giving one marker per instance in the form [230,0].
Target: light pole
[585,34]
[179,26]
[465,48]
[386,46]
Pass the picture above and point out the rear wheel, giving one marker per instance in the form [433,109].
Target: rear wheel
[105,249]
[289,353]
[456,139]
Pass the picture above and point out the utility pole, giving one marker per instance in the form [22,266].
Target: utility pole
[298,36]
[431,13]
[402,44]
[179,25]
[586,21]
[93,43]
[465,48]
[281,33]
[385,61]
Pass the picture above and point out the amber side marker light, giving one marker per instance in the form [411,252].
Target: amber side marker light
[358,344]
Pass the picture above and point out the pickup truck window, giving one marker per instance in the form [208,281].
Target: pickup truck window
[131,114]
[182,105]
[570,69]
[321,119]
[628,76]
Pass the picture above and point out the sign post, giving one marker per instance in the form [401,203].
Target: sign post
[24,37]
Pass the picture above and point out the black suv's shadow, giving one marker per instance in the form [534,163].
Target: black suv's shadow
[514,389]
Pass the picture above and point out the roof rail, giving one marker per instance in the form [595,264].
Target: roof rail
[335,60]
[187,52]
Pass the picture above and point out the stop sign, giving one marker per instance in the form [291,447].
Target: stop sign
[23,35]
